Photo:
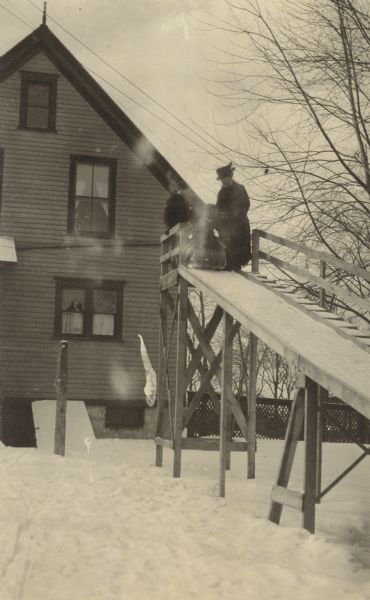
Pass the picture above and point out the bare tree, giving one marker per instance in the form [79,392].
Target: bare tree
[299,78]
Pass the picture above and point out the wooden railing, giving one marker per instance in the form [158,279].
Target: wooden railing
[320,281]
[174,245]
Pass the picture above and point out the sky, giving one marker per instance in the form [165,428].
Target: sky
[161,46]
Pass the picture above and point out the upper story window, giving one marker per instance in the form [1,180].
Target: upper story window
[92,196]
[38,101]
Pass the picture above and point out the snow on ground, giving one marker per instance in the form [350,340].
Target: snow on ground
[109,525]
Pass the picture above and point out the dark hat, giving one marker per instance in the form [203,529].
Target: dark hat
[226,171]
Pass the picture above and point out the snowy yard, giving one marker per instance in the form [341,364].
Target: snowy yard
[109,525]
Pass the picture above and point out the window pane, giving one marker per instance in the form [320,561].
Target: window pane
[84,175]
[73,300]
[38,94]
[72,323]
[103,324]
[83,214]
[100,216]
[37,117]
[73,303]
[105,301]
[101,181]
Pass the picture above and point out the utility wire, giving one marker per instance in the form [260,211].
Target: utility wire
[107,82]
[138,88]
[16,16]
[164,143]
[149,111]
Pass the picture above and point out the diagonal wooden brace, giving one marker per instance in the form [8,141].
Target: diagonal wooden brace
[210,356]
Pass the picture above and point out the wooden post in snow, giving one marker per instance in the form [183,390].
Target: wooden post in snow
[310,436]
[182,321]
[252,439]
[61,405]
[227,365]
[322,398]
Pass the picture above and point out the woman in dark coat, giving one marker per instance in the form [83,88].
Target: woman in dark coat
[178,209]
[232,220]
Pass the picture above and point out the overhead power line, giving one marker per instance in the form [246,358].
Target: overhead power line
[175,117]
[148,110]
[113,86]
[16,16]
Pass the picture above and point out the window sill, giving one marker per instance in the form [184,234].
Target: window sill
[88,338]
[36,129]
[77,235]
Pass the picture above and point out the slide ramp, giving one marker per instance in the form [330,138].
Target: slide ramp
[310,346]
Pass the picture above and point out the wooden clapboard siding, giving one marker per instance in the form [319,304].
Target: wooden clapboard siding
[34,212]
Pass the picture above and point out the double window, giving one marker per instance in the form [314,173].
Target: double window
[87,308]
[92,196]
[38,101]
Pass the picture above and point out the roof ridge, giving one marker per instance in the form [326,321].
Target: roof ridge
[44,39]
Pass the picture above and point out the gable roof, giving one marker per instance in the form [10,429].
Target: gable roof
[43,39]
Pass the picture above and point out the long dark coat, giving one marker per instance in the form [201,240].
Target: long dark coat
[233,224]
[177,210]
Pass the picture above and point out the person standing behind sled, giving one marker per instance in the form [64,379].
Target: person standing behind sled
[232,220]
[205,250]
[178,209]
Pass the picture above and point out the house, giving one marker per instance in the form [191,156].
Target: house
[82,195]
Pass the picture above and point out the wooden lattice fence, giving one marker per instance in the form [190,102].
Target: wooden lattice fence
[341,423]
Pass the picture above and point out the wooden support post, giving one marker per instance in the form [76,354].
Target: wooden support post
[310,435]
[226,376]
[322,398]
[255,251]
[251,423]
[61,402]
[291,439]
[230,427]
[322,295]
[180,372]
[161,377]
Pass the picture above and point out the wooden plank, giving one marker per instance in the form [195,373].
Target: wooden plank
[322,295]
[251,421]
[204,374]
[170,234]
[316,312]
[162,375]
[61,404]
[322,398]
[255,250]
[283,496]
[204,385]
[180,371]
[210,356]
[226,378]
[164,443]
[310,460]
[211,444]
[209,331]
[290,445]
[169,280]
[170,255]
[206,377]
[344,295]
[323,256]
